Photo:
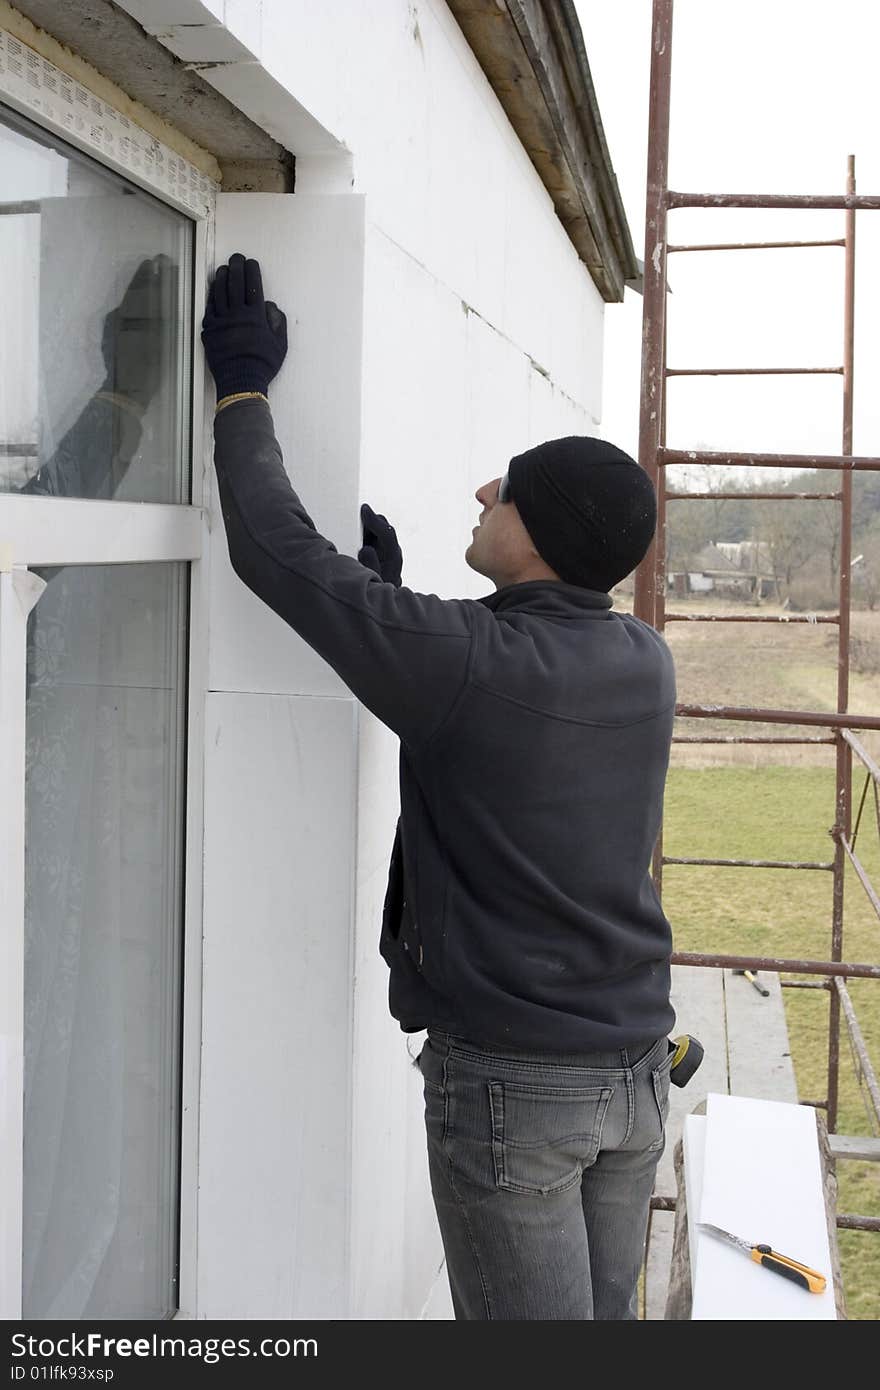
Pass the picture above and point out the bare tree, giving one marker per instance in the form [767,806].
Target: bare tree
[866,574]
[793,533]
[692,525]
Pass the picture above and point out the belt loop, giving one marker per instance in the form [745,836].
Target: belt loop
[624,1057]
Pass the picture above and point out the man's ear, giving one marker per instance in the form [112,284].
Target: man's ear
[534,553]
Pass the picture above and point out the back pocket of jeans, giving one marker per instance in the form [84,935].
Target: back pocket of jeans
[660,1078]
[544,1136]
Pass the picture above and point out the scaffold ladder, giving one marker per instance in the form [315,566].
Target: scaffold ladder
[651,582]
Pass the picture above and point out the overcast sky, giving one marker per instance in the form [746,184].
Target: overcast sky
[768,96]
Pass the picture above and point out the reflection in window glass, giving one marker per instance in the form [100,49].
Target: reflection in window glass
[94,358]
[104,801]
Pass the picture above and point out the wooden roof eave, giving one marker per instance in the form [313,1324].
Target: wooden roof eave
[533,54]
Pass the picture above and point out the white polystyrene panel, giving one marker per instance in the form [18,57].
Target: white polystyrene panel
[762,1180]
[254,89]
[396,1249]
[384,1085]
[156,15]
[448,399]
[205,43]
[276,1061]
[446,175]
[416,416]
[311,253]
[498,405]
[447,178]
[244,19]
[381,1076]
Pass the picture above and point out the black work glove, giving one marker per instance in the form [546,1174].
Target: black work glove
[135,332]
[245,337]
[380,550]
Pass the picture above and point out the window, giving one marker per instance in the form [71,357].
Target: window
[103,894]
[94,338]
[95,409]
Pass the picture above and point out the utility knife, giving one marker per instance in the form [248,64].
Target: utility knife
[765,1255]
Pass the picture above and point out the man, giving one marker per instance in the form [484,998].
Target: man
[521,925]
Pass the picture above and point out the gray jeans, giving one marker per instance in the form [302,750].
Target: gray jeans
[542,1170]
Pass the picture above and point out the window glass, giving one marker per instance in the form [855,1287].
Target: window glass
[95,331]
[105,775]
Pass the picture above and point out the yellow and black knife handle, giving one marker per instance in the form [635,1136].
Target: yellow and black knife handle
[789,1269]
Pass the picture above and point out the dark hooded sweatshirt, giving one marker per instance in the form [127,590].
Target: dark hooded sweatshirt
[535,727]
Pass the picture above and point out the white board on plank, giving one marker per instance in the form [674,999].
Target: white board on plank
[762,1180]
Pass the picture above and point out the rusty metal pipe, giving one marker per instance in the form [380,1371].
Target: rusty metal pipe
[845,1221]
[752,245]
[854,836]
[654,289]
[673,458]
[662,548]
[754,371]
[857,970]
[862,754]
[771,200]
[660,554]
[778,716]
[861,873]
[856,1037]
[753,496]
[749,618]
[747,738]
[843,822]
[650,584]
[753,863]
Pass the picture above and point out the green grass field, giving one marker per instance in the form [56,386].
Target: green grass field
[773,812]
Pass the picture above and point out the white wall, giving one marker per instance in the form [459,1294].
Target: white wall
[481,333]
[280,828]
[395,85]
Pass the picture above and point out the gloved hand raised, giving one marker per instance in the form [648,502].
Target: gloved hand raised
[380,550]
[245,336]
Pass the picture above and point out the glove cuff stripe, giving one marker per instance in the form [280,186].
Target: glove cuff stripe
[240,396]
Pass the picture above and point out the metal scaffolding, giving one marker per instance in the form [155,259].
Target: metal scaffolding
[651,583]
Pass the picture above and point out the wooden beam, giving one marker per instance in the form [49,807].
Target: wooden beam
[860,1146]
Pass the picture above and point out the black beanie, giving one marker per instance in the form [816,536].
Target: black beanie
[590,509]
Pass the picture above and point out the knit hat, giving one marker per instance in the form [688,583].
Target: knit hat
[590,509]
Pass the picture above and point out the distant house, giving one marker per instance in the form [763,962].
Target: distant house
[727,568]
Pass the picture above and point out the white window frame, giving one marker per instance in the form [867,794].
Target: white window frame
[38,531]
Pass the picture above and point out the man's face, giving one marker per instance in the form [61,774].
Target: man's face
[502,548]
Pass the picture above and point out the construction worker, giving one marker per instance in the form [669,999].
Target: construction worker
[521,925]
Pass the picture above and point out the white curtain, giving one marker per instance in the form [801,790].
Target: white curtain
[101,944]
[74,1060]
